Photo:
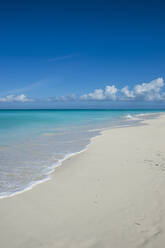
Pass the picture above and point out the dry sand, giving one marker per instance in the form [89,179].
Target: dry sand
[110,196]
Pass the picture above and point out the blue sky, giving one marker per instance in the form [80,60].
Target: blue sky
[52,53]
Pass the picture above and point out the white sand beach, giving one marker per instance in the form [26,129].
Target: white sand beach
[110,196]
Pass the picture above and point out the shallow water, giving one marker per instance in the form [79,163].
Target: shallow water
[34,142]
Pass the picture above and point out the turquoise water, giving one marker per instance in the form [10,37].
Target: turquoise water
[34,142]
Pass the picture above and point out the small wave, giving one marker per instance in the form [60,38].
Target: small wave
[47,177]
[132,117]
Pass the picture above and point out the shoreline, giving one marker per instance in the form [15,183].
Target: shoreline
[111,195]
[59,163]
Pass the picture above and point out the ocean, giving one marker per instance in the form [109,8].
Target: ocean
[34,142]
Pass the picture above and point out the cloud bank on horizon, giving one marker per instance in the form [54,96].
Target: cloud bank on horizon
[152,91]
[16,98]
[145,92]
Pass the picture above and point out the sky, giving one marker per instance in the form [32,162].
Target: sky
[98,53]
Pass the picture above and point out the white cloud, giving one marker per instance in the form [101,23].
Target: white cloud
[96,95]
[63,98]
[151,91]
[15,98]
[108,93]
[127,93]
[67,97]
[146,91]
[154,86]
